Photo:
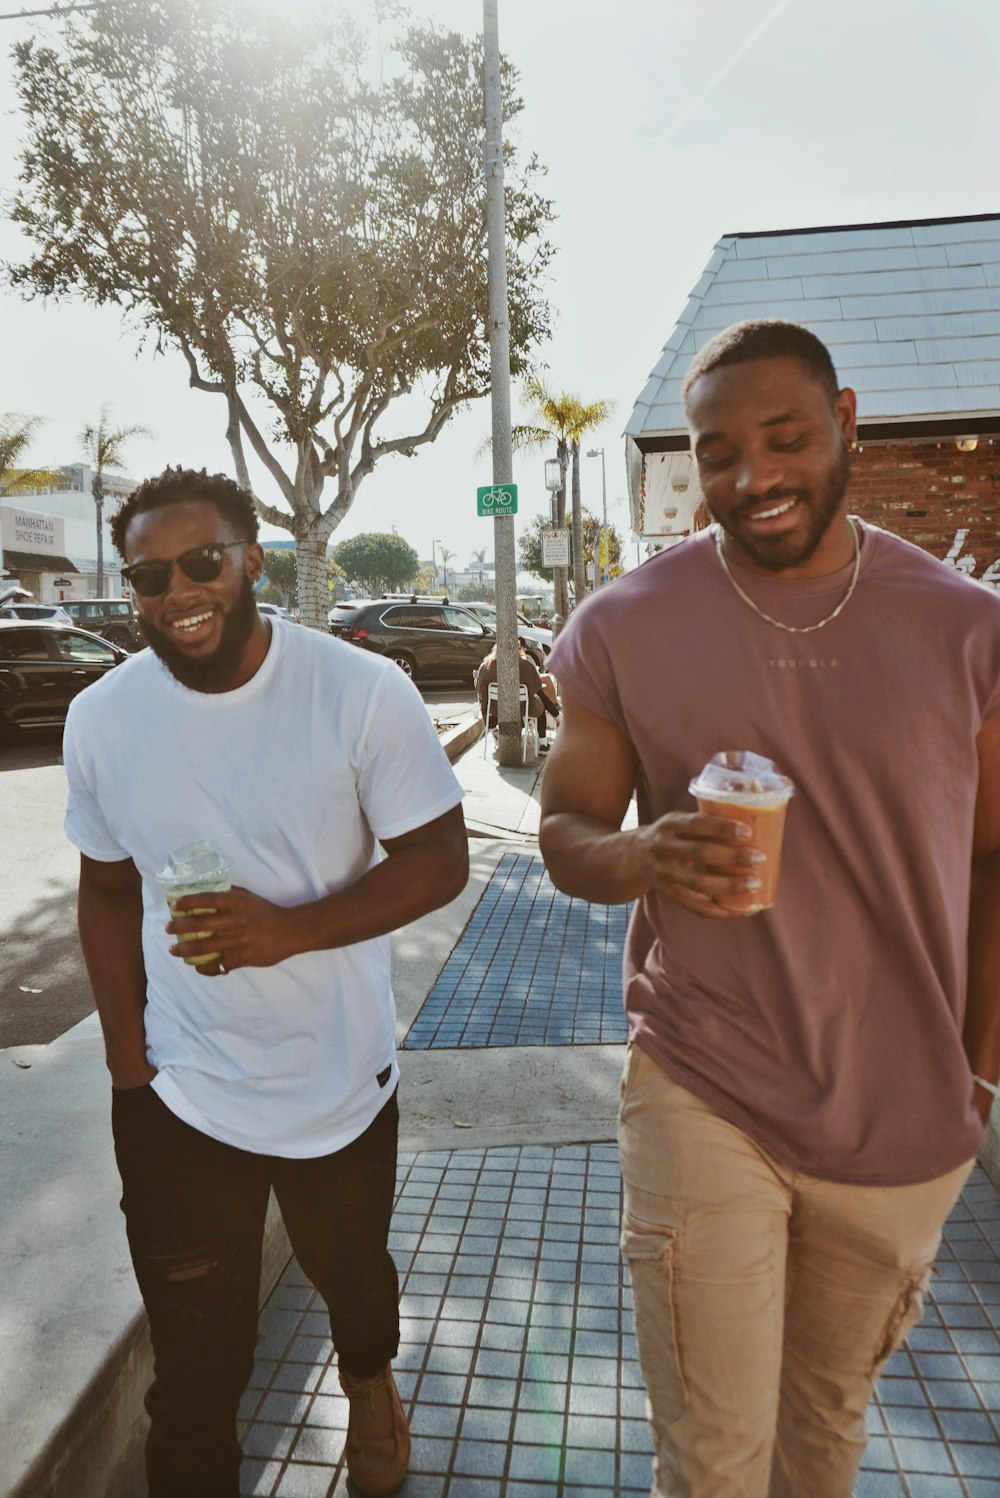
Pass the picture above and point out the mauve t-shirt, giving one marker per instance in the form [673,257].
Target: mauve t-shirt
[829,1027]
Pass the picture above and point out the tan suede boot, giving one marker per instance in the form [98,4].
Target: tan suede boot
[377,1450]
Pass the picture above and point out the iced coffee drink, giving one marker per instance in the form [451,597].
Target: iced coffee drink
[746,787]
[197,869]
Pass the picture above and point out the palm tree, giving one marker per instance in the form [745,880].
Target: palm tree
[446,557]
[588,418]
[480,558]
[565,418]
[16,433]
[104,448]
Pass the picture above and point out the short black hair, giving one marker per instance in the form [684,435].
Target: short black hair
[173,486]
[763,338]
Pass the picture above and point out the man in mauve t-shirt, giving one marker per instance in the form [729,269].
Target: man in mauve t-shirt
[806,1087]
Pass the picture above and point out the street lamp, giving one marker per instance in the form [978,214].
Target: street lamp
[595,452]
[434,563]
[553,475]
[553,483]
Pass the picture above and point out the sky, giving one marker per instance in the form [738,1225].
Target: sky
[664,124]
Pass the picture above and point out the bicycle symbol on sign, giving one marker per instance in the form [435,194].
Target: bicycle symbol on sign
[496,499]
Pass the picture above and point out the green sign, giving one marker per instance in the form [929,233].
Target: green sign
[497,499]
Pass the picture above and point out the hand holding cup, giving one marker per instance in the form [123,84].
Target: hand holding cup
[744,787]
[197,869]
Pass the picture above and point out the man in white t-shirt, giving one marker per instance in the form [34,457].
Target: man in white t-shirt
[272,1062]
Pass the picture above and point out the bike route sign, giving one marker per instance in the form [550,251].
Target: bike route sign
[497,499]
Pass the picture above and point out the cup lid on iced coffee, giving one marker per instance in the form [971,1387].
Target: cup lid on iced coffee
[195,862]
[739,775]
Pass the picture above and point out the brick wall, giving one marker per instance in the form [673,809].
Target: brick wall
[929,493]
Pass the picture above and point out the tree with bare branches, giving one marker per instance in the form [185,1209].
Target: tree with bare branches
[302,218]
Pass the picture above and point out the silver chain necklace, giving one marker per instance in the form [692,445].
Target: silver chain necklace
[796,629]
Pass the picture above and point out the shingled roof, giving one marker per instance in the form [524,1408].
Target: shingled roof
[910,312]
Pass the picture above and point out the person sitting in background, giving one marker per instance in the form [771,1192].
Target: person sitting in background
[549,687]
[546,694]
[539,701]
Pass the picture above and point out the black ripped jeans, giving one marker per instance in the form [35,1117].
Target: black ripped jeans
[194,1212]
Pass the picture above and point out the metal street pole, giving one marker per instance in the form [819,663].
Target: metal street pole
[508,714]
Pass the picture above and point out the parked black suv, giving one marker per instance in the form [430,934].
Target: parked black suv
[113,618]
[428,638]
[44,664]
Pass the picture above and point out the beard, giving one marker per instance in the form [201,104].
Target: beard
[213,673]
[775,554]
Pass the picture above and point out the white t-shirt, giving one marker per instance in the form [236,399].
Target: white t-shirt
[294,775]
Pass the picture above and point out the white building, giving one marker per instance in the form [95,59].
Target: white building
[48,539]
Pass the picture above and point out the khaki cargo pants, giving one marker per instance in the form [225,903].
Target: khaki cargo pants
[766,1302]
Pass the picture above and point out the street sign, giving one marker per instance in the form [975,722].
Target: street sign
[497,499]
[555,548]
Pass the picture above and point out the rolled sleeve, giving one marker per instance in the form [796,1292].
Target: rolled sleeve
[404,778]
[582,662]
[85,824]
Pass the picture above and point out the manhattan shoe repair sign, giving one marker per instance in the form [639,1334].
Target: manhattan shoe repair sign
[27,530]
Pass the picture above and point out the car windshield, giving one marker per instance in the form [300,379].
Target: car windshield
[488,612]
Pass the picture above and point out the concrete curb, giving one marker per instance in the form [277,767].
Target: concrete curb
[465,732]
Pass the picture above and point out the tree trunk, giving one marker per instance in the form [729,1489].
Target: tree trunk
[579,560]
[99,506]
[314,591]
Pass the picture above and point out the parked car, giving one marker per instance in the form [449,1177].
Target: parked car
[273,611]
[113,618]
[17,610]
[428,638]
[43,665]
[538,641]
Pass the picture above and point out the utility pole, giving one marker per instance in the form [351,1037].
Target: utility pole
[508,706]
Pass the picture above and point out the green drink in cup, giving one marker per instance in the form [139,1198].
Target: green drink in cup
[198,869]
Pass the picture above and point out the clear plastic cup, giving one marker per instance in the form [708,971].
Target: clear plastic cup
[746,787]
[199,868]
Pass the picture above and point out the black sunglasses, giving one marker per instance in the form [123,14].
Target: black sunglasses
[202,564]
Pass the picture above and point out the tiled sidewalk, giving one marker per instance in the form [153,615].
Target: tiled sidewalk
[935,1426]
[533,967]
[517,1359]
